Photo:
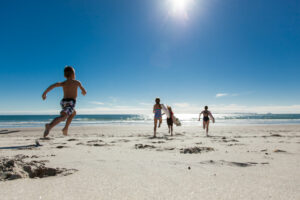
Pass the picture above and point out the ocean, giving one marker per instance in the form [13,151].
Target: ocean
[13,121]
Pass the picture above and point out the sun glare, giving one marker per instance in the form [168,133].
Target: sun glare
[179,5]
[179,8]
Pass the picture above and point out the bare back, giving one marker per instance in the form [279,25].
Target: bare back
[206,113]
[70,88]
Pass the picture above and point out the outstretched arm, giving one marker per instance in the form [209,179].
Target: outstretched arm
[211,117]
[200,115]
[83,91]
[51,87]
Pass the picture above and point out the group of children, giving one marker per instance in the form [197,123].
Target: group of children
[157,110]
[158,116]
[70,87]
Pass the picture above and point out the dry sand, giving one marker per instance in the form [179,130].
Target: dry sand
[124,162]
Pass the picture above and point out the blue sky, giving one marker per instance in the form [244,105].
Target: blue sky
[232,55]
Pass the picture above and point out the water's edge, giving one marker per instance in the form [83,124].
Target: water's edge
[12,121]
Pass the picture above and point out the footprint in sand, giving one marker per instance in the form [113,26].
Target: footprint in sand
[166,149]
[120,140]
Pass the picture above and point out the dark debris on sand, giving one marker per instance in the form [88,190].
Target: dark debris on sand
[16,168]
[61,147]
[232,164]
[94,141]
[97,143]
[191,150]
[279,151]
[275,135]
[144,146]
[72,139]
[8,132]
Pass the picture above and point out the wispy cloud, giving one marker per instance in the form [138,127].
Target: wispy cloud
[97,102]
[221,95]
[145,104]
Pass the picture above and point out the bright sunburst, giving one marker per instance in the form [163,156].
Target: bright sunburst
[179,5]
[179,8]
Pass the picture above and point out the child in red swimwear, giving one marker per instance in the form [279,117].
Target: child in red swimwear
[170,120]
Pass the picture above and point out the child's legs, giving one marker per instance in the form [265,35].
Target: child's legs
[160,121]
[155,125]
[171,129]
[207,124]
[63,116]
[204,123]
[69,120]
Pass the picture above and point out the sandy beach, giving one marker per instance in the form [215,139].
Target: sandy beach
[125,162]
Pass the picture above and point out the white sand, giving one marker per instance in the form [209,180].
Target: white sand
[247,168]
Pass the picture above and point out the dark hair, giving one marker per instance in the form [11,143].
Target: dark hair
[206,107]
[157,100]
[69,71]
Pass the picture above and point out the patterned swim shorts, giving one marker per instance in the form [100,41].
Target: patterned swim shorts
[68,105]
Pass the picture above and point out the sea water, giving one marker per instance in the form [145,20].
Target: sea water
[12,121]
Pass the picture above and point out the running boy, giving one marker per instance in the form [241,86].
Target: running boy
[206,114]
[70,87]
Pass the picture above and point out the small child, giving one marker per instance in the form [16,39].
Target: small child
[157,114]
[68,112]
[170,120]
[206,114]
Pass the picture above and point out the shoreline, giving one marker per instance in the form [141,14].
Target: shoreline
[150,124]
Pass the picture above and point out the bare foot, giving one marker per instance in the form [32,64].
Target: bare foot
[47,130]
[65,131]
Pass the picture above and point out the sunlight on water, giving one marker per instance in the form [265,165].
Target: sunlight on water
[186,120]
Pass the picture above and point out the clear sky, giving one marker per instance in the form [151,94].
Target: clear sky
[233,55]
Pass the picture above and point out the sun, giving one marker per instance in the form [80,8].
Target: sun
[179,8]
[179,5]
